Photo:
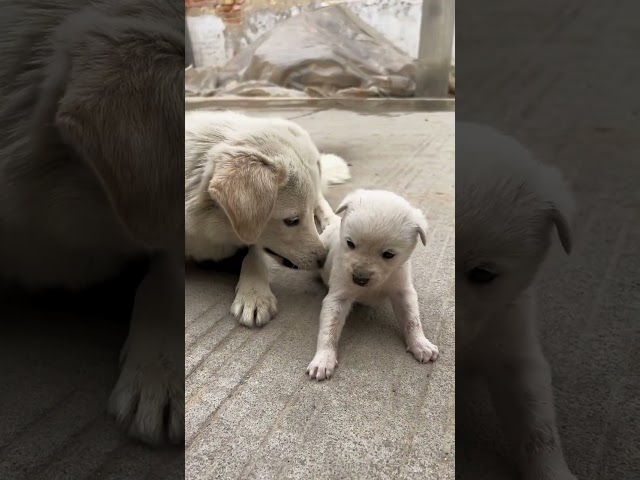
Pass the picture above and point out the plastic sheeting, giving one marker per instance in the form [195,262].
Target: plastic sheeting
[328,52]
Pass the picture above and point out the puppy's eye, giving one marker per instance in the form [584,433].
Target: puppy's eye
[388,255]
[291,222]
[350,244]
[481,275]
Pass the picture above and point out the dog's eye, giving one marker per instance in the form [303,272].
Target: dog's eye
[350,244]
[388,255]
[481,275]
[291,222]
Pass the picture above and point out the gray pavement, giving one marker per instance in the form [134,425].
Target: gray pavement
[251,412]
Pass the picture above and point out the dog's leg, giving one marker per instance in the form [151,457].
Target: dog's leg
[405,306]
[324,213]
[332,317]
[523,401]
[254,304]
[519,380]
[148,399]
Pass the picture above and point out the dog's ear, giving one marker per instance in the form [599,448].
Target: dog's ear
[561,220]
[346,203]
[421,225]
[128,144]
[560,206]
[343,206]
[245,184]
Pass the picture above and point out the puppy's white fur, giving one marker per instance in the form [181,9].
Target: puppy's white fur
[254,182]
[375,223]
[507,206]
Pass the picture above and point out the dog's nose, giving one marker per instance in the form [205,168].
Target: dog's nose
[321,259]
[361,281]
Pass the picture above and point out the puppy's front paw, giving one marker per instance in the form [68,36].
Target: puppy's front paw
[423,350]
[254,307]
[323,365]
[148,401]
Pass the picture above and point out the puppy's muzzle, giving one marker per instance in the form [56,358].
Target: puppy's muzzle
[360,281]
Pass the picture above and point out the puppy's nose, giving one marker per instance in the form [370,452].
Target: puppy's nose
[361,281]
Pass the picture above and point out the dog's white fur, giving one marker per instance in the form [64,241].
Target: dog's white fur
[374,222]
[507,205]
[244,177]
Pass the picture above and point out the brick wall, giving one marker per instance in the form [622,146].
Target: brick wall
[229,10]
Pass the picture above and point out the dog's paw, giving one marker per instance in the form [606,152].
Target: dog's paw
[148,402]
[254,307]
[423,350]
[322,366]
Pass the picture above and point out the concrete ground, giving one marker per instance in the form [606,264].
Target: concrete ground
[251,412]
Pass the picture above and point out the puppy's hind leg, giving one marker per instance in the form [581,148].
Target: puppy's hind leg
[324,213]
[332,317]
[405,306]
[333,171]
[254,304]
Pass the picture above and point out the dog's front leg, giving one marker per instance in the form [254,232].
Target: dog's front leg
[332,317]
[405,306]
[522,397]
[254,304]
[148,399]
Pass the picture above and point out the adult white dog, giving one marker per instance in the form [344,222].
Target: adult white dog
[254,182]
[368,261]
[507,205]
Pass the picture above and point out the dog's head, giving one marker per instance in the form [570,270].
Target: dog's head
[268,188]
[378,233]
[507,206]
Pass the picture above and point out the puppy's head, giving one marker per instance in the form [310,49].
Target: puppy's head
[269,194]
[508,206]
[378,233]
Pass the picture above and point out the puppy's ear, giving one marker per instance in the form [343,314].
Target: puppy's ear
[561,220]
[245,184]
[561,206]
[346,203]
[343,206]
[421,225]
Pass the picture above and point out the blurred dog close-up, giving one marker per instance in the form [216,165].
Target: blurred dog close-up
[508,205]
[368,261]
[90,165]
[257,183]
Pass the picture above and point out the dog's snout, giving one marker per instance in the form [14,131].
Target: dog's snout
[321,258]
[359,280]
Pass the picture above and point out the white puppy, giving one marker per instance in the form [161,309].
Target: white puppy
[254,182]
[507,205]
[368,261]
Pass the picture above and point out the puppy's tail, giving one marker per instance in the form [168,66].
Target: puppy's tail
[333,171]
